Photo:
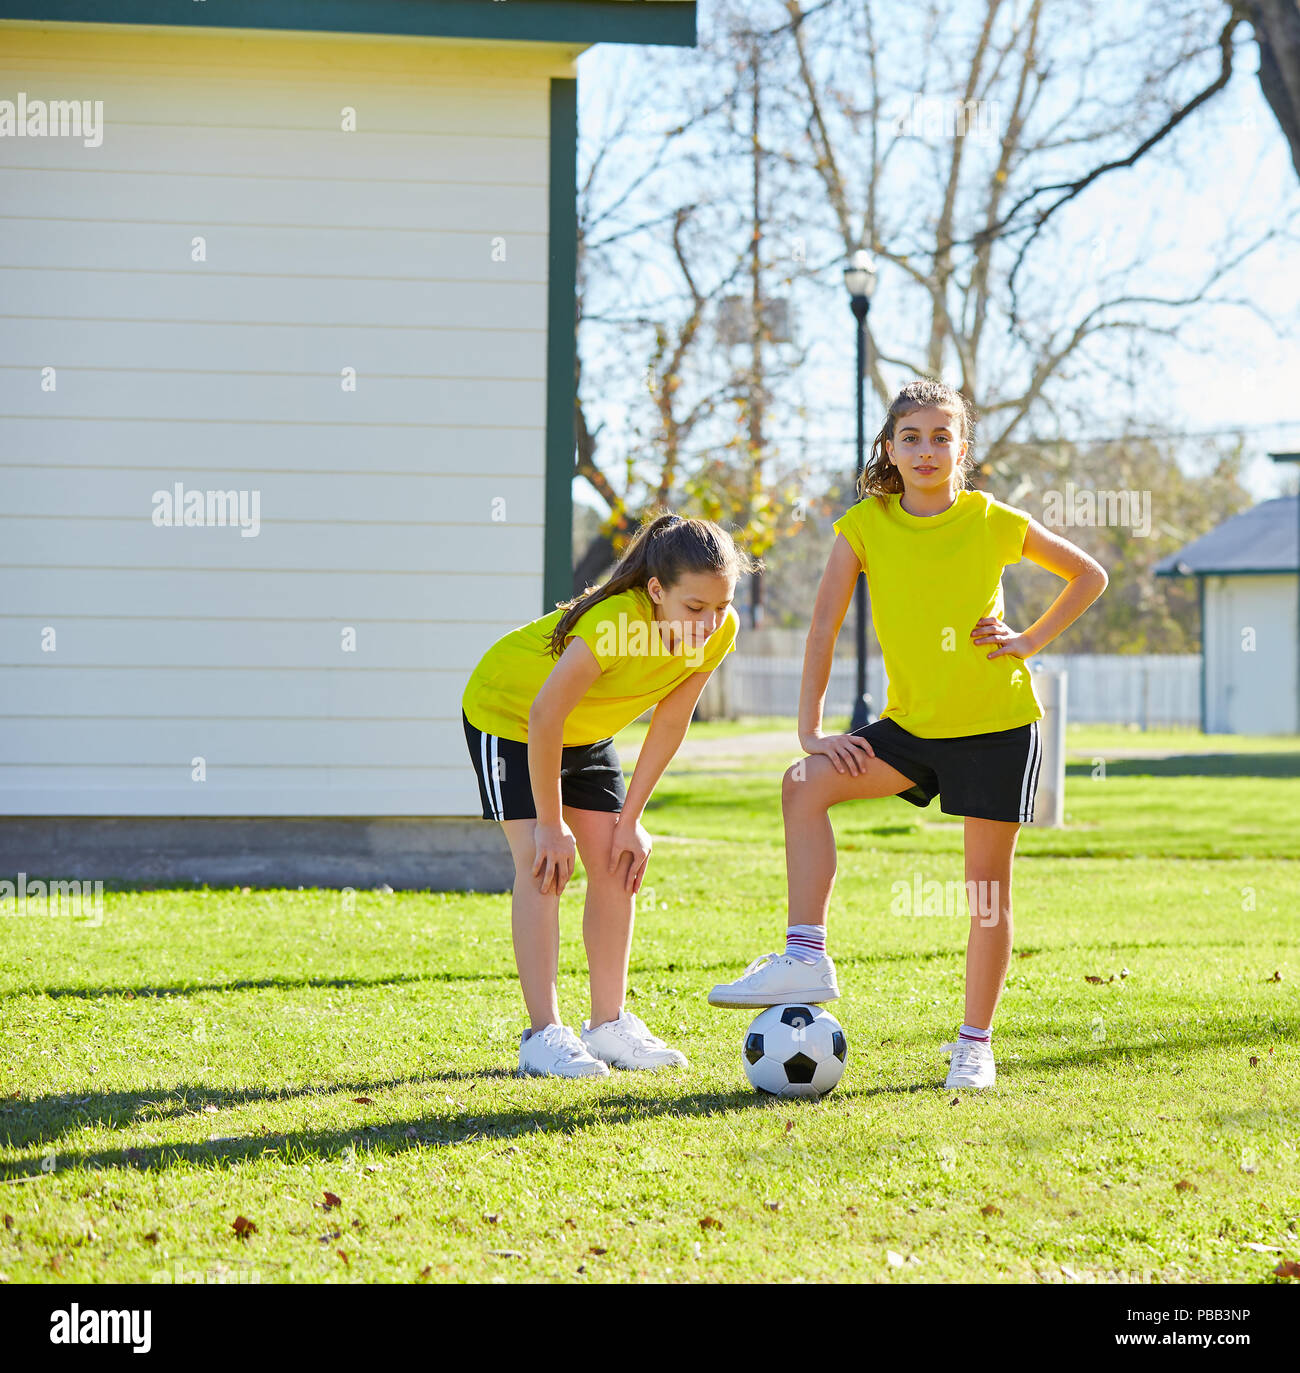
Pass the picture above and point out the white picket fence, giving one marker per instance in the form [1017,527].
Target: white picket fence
[1148,690]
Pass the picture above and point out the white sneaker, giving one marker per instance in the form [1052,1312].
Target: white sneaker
[626,1043]
[775,979]
[971,1064]
[556,1052]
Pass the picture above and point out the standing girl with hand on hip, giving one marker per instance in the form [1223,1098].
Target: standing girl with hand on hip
[540,712]
[961,719]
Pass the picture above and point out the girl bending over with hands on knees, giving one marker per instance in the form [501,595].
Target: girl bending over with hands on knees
[540,712]
[961,721]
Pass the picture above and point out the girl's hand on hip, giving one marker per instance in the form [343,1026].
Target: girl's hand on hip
[556,854]
[991,630]
[848,752]
[631,838]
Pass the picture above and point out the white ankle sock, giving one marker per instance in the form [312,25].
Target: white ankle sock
[807,943]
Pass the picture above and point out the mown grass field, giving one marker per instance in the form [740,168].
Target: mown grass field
[206,1055]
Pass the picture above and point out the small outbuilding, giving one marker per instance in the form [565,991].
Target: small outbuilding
[287,420]
[1248,572]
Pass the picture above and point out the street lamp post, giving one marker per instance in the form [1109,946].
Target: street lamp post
[860,278]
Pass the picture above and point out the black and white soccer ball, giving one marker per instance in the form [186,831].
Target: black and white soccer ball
[795,1050]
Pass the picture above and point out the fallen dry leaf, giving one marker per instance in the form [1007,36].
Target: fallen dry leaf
[243,1227]
[1182,1185]
[789,1125]
[343,1254]
[364,1100]
[426,1270]
[331,1201]
[990,1210]
[571,1223]
[710,1223]
[1254,1062]
[1096,981]
[1288,1268]
[9,1221]
[597,1250]
[151,1237]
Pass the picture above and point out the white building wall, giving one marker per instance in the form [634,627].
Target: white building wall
[1250,654]
[414,251]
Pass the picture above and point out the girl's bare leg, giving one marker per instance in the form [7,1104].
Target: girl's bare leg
[990,848]
[535,927]
[608,915]
[808,790]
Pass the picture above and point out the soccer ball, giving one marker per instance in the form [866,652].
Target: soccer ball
[795,1050]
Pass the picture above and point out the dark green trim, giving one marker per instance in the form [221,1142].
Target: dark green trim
[561,344]
[669,22]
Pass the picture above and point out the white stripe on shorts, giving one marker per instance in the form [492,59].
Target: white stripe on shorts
[1030,780]
[490,779]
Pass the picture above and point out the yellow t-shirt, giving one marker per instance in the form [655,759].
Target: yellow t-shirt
[637,670]
[930,578]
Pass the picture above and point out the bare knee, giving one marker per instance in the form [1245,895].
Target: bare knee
[798,784]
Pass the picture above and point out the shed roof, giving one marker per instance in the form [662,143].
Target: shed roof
[1262,539]
[670,22]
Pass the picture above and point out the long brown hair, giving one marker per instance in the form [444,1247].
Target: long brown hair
[880,478]
[668,547]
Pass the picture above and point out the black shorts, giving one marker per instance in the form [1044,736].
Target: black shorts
[591,776]
[988,776]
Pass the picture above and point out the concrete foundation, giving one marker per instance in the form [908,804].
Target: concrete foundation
[453,854]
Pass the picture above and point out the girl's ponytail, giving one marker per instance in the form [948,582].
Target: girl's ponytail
[667,547]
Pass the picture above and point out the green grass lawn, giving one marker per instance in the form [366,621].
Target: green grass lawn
[210,1054]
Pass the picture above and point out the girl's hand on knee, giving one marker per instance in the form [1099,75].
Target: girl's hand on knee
[630,837]
[848,752]
[556,854]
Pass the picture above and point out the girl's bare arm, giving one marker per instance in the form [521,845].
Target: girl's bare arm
[1085,580]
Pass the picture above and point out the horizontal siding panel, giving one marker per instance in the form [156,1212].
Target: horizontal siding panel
[247,792]
[246,643]
[49,691]
[224,744]
[259,250]
[453,597]
[103,493]
[459,105]
[190,294]
[294,155]
[513,548]
[248,445]
[284,399]
[409,352]
[198,203]
[217,55]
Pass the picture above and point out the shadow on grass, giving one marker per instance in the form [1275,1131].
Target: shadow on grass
[254,984]
[1195,765]
[591,1106]
[394,1137]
